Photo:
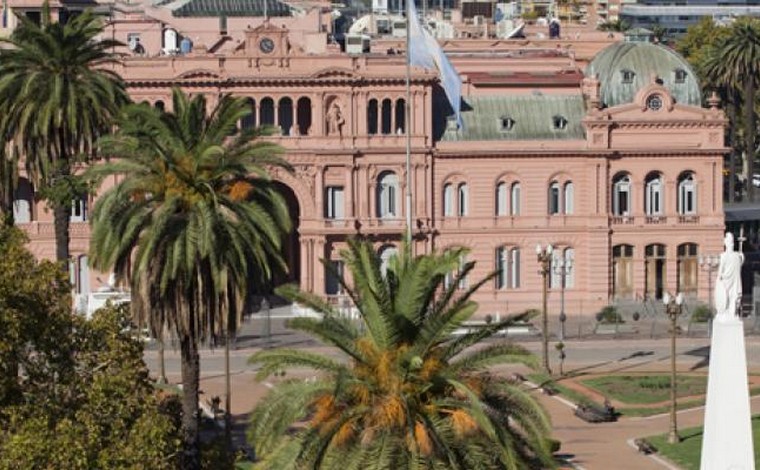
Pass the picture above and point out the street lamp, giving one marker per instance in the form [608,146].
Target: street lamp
[544,256]
[562,267]
[673,308]
[709,263]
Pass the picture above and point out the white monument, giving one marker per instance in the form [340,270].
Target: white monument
[727,438]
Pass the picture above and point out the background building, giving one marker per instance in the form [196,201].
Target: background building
[614,161]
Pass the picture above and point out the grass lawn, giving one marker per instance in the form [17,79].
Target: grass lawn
[646,389]
[687,452]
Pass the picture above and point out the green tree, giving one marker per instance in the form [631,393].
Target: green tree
[408,396]
[193,220]
[74,393]
[695,46]
[733,63]
[57,96]
[617,26]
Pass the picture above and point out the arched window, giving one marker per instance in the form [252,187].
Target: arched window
[514,203]
[23,198]
[680,75]
[568,207]
[501,199]
[400,116]
[304,116]
[386,253]
[508,268]
[249,121]
[554,196]
[78,210]
[687,194]
[159,105]
[448,200]
[462,199]
[285,115]
[372,117]
[386,118]
[387,195]
[653,195]
[621,195]
[266,112]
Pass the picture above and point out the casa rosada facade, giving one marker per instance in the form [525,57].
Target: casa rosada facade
[611,159]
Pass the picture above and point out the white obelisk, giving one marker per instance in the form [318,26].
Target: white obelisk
[727,438]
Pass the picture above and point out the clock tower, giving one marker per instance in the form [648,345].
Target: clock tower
[267,41]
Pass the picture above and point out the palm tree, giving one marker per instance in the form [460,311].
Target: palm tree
[408,395]
[57,97]
[734,63]
[193,218]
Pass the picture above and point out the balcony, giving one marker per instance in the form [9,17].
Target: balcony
[688,219]
[46,230]
[622,220]
[655,219]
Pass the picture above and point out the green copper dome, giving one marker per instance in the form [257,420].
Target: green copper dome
[624,68]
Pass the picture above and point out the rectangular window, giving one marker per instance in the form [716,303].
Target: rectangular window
[333,272]
[78,210]
[334,203]
[507,268]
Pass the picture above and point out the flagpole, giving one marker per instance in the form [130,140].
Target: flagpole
[408,122]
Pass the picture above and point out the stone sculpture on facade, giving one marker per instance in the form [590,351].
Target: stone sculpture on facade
[335,120]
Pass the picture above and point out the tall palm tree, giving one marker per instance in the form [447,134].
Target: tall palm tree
[734,63]
[193,217]
[407,395]
[57,96]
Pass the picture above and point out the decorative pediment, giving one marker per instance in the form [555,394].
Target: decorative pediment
[334,72]
[196,74]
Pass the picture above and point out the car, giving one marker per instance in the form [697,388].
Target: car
[756,180]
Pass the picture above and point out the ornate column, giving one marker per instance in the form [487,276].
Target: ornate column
[319,193]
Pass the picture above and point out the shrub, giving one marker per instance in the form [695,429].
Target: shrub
[701,314]
[609,316]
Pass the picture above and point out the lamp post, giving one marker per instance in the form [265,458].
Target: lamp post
[544,256]
[709,263]
[673,308]
[562,268]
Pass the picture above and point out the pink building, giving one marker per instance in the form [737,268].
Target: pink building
[617,165]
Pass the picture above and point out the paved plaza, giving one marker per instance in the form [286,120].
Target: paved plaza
[592,446]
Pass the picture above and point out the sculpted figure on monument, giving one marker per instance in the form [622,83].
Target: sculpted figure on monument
[334,120]
[728,287]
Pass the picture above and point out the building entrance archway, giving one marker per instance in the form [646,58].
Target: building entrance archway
[291,249]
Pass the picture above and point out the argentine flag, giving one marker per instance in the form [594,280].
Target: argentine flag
[425,52]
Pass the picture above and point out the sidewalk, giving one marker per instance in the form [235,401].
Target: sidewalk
[594,446]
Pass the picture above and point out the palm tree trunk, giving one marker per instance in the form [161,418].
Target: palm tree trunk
[749,133]
[61,221]
[190,375]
